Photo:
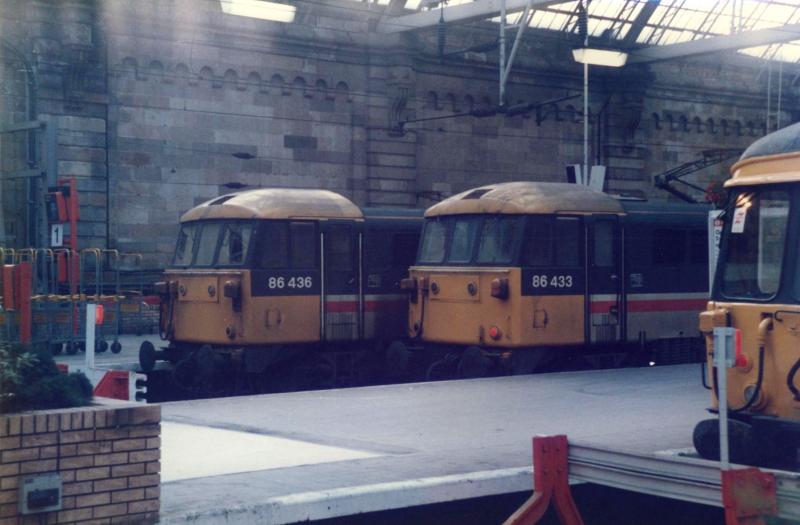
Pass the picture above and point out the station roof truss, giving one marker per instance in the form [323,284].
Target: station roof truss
[649,30]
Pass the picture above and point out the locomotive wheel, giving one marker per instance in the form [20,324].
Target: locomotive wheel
[116,347]
[442,369]
[100,346]
[317,373]
[474,363]
[211,370]
[147,356]
[55,348]
[741,441]
[204,361]
[529,361]
[72,348]
[397,357]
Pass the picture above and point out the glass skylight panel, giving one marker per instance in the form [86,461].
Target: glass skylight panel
[676,21]
[789,52]
[721,25]
[260,9]
[596,26]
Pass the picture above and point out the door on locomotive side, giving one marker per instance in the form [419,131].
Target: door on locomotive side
[553,275]
[285,282]
[604,305]
[341,295]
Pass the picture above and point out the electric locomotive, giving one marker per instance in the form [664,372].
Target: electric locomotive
[511,276]
[757,291]
[281,289]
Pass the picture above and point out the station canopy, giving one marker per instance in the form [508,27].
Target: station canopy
[648,23]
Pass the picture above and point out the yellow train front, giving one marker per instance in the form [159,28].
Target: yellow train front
[275,289]
[511,276]
[757,292]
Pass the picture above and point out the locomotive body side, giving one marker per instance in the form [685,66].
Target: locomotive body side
[757,291]
[524,271]
[266,276]
[666,272]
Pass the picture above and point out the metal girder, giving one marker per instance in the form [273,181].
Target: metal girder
[477,10]
[640,22]
[673,477]
[716,44]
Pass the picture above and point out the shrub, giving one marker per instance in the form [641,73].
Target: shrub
[30,380]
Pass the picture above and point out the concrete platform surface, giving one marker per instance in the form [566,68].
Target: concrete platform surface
[340,452]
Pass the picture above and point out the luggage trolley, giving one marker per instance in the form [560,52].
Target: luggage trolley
[110,296]
[133,308]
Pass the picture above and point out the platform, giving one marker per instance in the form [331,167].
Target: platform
[334,453]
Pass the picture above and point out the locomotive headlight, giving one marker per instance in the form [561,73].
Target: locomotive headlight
[494,333]
[500,288]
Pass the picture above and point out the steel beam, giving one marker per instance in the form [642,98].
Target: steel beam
[640,22]
[716,44]
[674,477]
[477,10]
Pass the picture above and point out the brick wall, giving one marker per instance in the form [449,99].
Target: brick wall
[108,457]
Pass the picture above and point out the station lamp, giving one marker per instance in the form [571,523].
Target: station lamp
[261,9]
[599,57]
[596,57]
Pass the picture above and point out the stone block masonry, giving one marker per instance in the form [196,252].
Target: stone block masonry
[164,104]
[108,457]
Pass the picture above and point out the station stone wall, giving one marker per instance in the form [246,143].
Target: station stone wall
[163,104]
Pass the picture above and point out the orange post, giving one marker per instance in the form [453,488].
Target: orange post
[23,291]
[748,495]
[550,483]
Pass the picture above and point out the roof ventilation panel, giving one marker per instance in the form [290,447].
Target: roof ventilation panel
[477,194]
[222,200]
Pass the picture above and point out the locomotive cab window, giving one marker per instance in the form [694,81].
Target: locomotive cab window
[235,243]
[498,242]
[462,243]
[207,244]
[339,249]
[280,245]
[552,242]
[303,242]
[434,238]
[604,255]
[756,228]
[184,247]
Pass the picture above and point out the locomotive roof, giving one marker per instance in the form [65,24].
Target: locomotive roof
[772,159]
[276,203]
[527,197]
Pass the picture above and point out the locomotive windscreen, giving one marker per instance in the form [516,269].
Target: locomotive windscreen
[492,240]
[213,243]
[756,227]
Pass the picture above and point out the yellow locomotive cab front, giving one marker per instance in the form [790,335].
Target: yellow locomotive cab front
[757,292]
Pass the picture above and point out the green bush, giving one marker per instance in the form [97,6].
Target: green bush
[30,380]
